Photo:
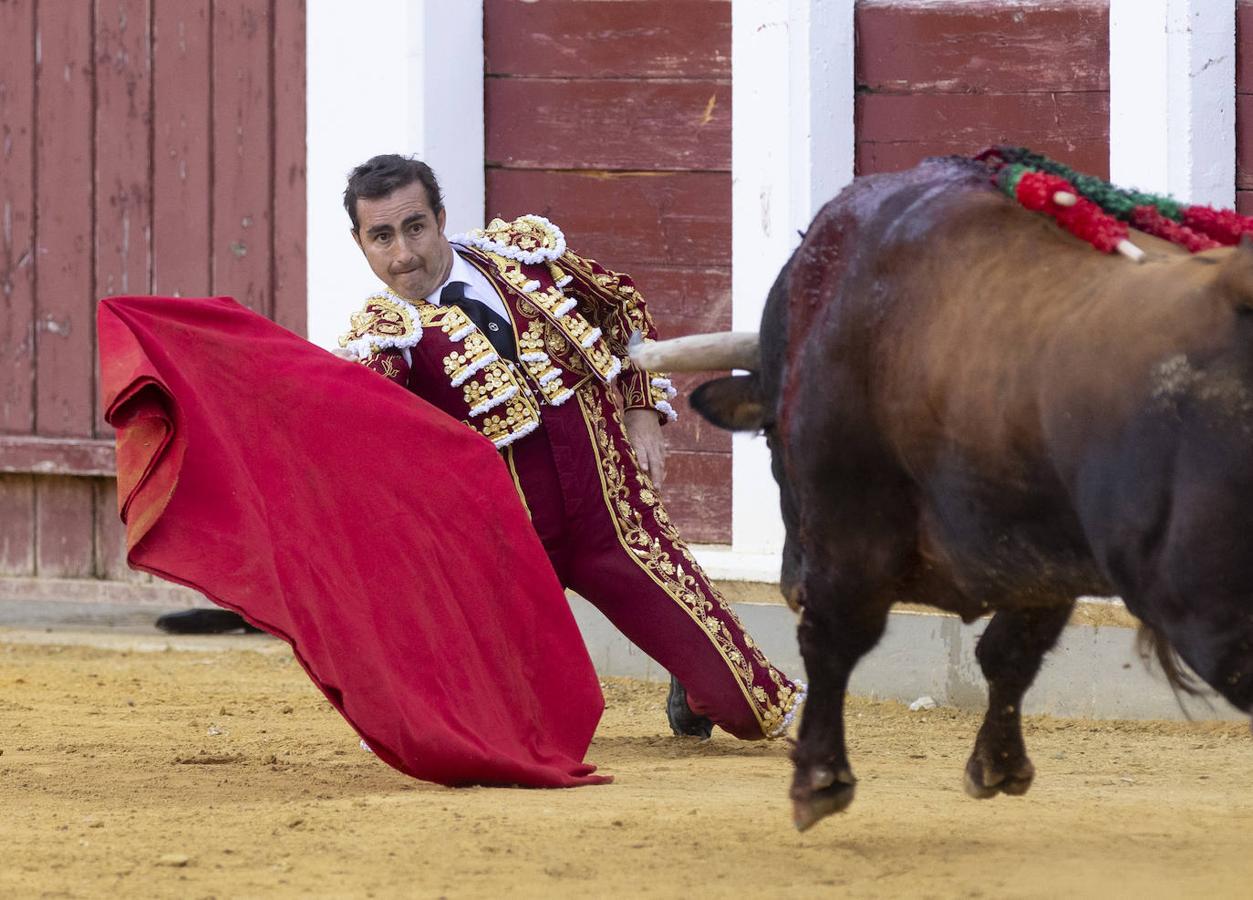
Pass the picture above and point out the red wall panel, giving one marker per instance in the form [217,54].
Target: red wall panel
[17,237]
[955,77]
[613,119]
[647,125]
[143,151]
[588,39]
[182,157]
[242,106]
[64,278]
[17,276]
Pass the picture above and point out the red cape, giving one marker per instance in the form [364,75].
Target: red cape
[378,536]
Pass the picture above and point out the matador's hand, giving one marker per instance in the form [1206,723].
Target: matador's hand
[643,430]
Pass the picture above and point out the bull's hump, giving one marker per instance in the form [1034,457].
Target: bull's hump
[873,210]
[850,232]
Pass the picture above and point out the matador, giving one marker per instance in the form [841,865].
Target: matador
[525,342]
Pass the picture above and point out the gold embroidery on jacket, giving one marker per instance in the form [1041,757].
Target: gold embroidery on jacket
[387,366]
[533,355]
[461,365]
[517,482]
[520,417]
[488,388]
[385,322]
[379,317]
[586,339]
[487,381]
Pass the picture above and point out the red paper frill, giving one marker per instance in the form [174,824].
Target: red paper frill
[1085,220]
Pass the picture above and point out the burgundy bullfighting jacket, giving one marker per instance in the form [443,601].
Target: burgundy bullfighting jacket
[573,320]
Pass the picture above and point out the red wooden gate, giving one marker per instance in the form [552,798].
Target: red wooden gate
[614,120]
[148,146]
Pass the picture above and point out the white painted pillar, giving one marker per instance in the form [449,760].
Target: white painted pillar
[792,150]
[1172,78]
[412,86]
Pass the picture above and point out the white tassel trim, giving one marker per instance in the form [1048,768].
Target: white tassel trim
[485,360]
[368,344]
[408,357]
[802,691]
[614,370]
[462,333]
[592,338]
[565,307]
[493,402]
[561,398]
[530,287]
[528,257]
[664,407]
[552,374]
[537,356]
[522,432]
[563,282]
[666,385]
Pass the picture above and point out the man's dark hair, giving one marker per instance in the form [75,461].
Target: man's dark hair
[380,175]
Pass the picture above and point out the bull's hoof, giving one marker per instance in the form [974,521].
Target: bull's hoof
[984,780]
[820,794]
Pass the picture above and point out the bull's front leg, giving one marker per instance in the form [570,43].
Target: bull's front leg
[1010,653]
[832,640]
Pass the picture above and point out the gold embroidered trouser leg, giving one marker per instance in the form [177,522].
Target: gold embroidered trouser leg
[611,540]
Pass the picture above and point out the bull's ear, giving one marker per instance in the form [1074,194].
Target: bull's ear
[1236,275]
[733,403]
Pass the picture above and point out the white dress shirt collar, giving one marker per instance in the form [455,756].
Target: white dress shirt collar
[477,285]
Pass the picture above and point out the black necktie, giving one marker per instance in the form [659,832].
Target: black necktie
[487,320]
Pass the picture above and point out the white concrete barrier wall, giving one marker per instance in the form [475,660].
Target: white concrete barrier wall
[1093,672]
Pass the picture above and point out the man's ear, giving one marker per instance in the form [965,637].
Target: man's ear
[356,236]
[441,218]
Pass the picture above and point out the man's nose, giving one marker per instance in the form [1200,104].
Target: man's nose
[403,257]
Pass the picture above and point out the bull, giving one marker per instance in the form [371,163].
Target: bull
[968,407]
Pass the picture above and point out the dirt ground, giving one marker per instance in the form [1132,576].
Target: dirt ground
[222,773]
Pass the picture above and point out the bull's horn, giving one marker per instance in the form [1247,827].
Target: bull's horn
[700,352]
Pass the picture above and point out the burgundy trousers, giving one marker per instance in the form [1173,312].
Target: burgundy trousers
[610,540]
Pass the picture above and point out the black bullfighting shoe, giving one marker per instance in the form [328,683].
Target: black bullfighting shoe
[682,719]
[204,621]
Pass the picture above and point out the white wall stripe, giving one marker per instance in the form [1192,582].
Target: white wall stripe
[792,149]
[413,87]
[1172,98]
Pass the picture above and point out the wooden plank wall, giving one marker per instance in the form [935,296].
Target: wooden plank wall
[954,77]
[613,119]
[148,146]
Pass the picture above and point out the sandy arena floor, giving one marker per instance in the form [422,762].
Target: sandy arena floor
[223,773]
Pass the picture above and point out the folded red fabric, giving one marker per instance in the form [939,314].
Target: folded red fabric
[379,537]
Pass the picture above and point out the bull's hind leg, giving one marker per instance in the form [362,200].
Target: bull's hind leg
[1010,653]
[833,637]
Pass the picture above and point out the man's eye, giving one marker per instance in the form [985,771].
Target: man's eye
[415,229]
[382,238]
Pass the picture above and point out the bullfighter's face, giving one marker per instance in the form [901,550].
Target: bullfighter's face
[403,241]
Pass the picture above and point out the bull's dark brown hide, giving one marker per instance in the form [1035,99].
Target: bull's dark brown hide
[970,408]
